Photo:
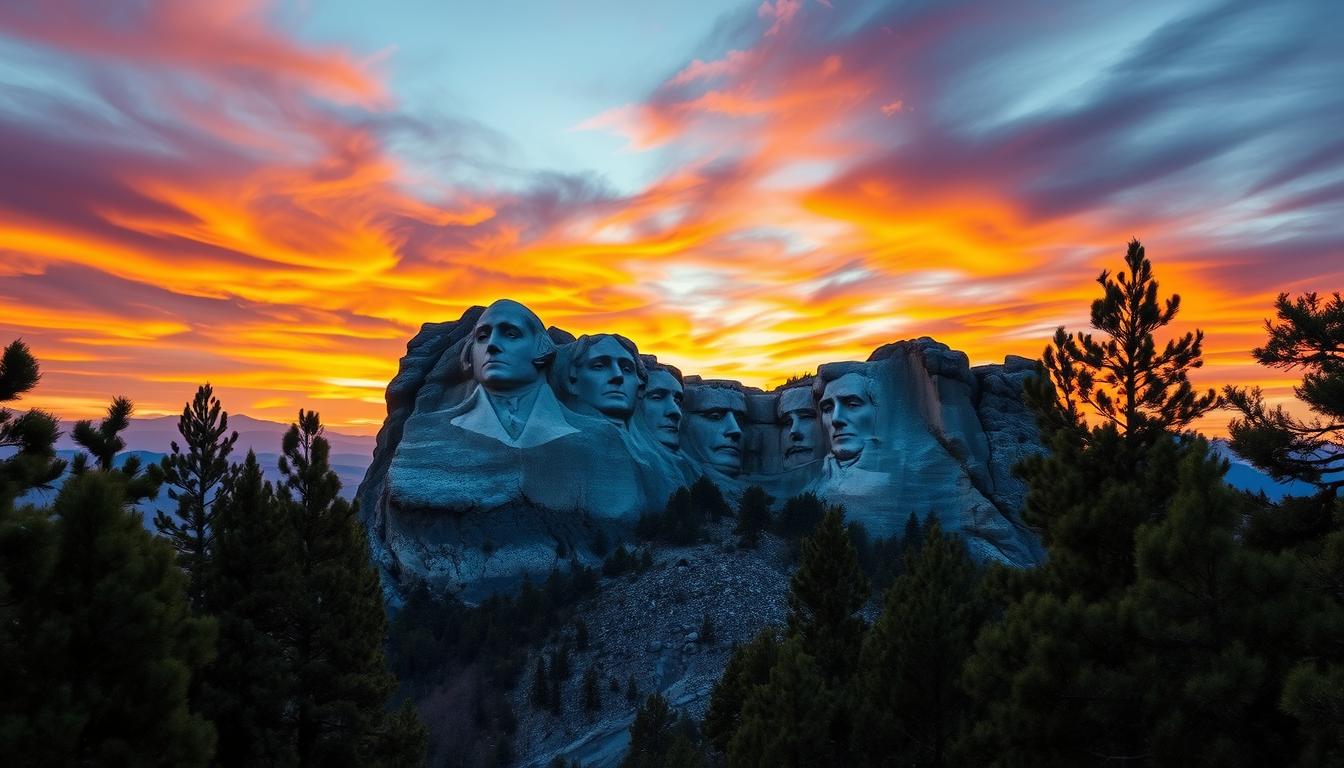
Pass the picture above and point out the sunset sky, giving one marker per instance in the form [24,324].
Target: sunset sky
[274,196]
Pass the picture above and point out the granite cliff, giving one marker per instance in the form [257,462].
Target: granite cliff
[507,442]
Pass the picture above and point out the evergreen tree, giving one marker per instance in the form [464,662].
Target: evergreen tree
[825,595]
[909,701]
[1080,669]
[104,442]
[1222,623]
[560,663]
[799,516]
[790,721]
[106,643]
[661,739]
[581,635]
[1123,379]
[753,515]
[1309,335]
[252,578]
[748,668]
[708,500]
[631,690]
[200,479]
[912,540]
[337,621]
[30,435]
[592,693]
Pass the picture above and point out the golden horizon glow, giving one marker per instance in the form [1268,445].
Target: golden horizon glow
[249,215]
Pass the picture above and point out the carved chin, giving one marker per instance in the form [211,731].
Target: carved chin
[847,448]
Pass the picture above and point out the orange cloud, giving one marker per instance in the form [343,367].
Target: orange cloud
[269,239]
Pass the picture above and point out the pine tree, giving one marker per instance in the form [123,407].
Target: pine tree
[31,435]
[708,500]
[1123,379]
[104,442]
[1223,622]
[661,739]
[580,635]
[251,579]
[748,667]
[337,620]
[1309,335]
[106,641]
[790,721]
[631,690]
[199,478]
[1070,675]
[592,694]
[825,595]
[753,515]
[910,705]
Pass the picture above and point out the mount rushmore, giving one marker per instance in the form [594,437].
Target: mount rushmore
[508,444]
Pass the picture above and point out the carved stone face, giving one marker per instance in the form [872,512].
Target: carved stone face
[662,408]
[713,428]
[848,415]
[503,347]
[604,380]
[798,441]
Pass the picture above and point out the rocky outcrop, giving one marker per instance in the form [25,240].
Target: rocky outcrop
[505,443]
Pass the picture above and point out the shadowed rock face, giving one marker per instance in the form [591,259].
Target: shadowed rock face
[507,447]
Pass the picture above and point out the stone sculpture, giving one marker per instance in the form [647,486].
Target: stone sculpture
[507,355]
[799,442]
[848,414]
[664,395]
[713,433]
[605,377]
[507,442]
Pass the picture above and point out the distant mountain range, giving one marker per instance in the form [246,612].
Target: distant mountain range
[151,440]
[157,434]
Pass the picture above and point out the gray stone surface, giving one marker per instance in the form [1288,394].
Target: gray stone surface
[480,477]
[641,625]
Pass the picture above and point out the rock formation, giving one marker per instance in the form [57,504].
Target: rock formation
[506,442]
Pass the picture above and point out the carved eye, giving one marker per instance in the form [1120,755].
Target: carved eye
[482,334]
[627,366]
[513,333]
[827,406]
[853,401]
[677,398]
[656,394]
[715,414]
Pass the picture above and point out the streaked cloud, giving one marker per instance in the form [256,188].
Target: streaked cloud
[196,194]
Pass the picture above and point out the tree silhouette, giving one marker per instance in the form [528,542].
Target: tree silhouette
[32,434]
[1122,378]
[199,478]
[1308,336]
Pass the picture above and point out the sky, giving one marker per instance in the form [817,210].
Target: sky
[273,197]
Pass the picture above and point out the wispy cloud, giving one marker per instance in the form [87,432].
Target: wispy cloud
[196,194]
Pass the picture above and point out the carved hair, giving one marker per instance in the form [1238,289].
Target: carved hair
[578,352]
[651,364]
[543,353]
[832,371]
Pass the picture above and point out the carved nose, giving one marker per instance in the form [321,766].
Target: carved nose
[493,347]
[730,427]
